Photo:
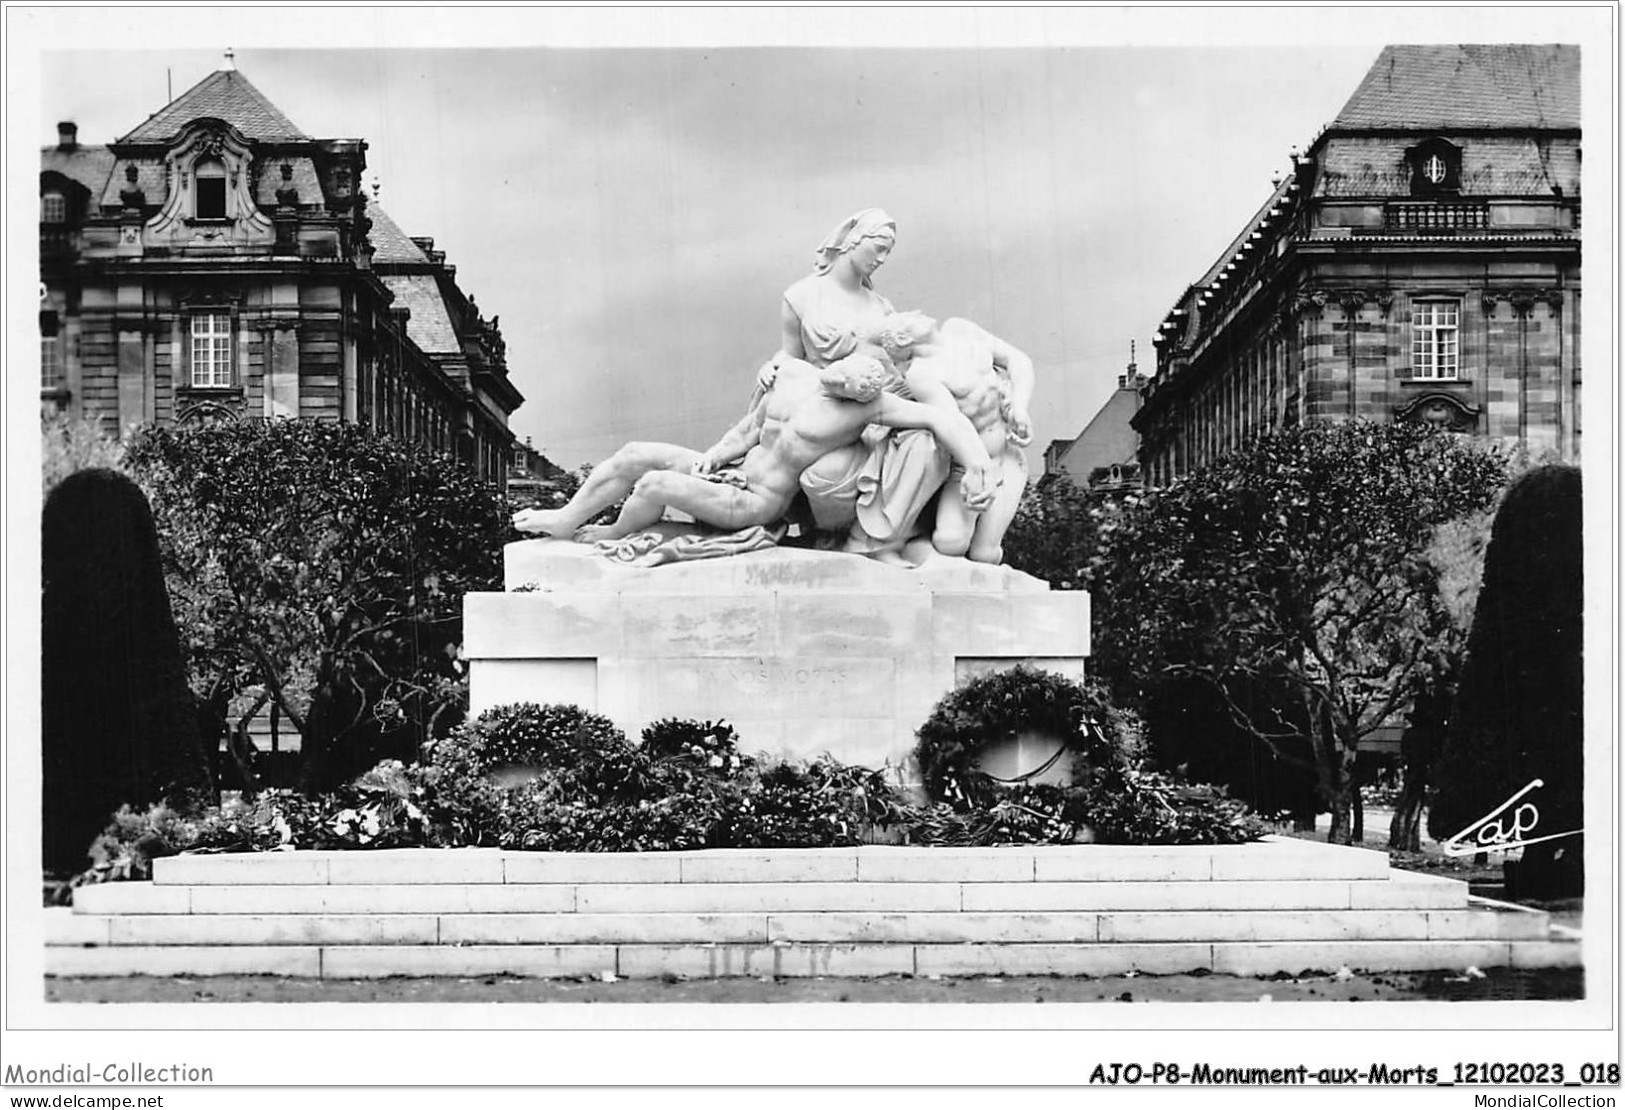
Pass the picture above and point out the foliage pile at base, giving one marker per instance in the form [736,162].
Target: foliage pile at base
[1108,798]
[558,778]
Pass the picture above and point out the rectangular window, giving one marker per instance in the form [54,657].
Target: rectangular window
[211,349]
[211,198]
[1435,339]
[51,375]
[53,209]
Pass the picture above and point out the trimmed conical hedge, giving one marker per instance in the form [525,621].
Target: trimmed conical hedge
[119,723]
[1518,712]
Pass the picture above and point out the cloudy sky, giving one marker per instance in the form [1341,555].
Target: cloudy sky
[634,214]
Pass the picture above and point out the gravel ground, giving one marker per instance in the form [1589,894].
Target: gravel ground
[1497,984]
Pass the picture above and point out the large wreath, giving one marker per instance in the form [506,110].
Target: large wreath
[1000,706]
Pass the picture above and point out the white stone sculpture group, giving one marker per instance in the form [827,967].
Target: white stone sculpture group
[868,411]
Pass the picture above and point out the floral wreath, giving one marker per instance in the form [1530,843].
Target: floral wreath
[999,706]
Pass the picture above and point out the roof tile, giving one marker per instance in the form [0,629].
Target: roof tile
[429,326]
[1415,87]
[90,166]
[389,242]
[225,94]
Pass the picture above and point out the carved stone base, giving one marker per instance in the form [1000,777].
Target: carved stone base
[803,652]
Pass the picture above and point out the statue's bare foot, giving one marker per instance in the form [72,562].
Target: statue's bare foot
[543,522]
[593,533]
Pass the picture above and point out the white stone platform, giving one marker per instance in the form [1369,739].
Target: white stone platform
[803,652]
[1280,905]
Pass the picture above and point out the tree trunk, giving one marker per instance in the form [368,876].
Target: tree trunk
[1405,830]
[1342,790]
[317,738]
[212,726]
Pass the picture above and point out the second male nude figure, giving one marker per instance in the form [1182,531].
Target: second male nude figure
[960,365]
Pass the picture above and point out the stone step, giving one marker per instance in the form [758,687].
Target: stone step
[1278,905]
[809,959]
[1275,858]
[1399,890]
[364,929]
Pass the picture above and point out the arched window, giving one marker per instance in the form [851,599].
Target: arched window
[209,197]
[53,208]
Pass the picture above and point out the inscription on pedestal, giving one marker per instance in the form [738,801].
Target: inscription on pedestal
[758,686]
[773,677]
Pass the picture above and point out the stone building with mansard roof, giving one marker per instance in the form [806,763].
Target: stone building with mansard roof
[216,262]
[1421,262]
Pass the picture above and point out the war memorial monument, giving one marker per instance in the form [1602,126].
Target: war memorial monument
[844,642]
[821,577]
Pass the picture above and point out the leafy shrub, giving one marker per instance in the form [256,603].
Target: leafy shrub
[1053,534]
[327,566]
[70,444]
[1000,706]
[1294,571]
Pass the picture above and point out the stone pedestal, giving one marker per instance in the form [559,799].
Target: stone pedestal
[803,652]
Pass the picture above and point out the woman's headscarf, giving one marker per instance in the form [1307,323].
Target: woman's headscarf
[848,234]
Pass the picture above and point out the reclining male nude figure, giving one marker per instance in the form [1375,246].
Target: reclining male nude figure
[805,415]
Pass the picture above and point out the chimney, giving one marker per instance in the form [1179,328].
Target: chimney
[67,135]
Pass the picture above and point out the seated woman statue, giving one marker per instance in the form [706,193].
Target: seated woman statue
[871,491]
[806,414]
[823,313]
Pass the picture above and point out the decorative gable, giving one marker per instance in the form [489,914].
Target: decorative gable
[210,203]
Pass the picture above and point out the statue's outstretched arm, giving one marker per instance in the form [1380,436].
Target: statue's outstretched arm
[928,389]
[954,432]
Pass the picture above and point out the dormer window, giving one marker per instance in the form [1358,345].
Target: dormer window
[53,208]
[1435,167]
[209,183]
